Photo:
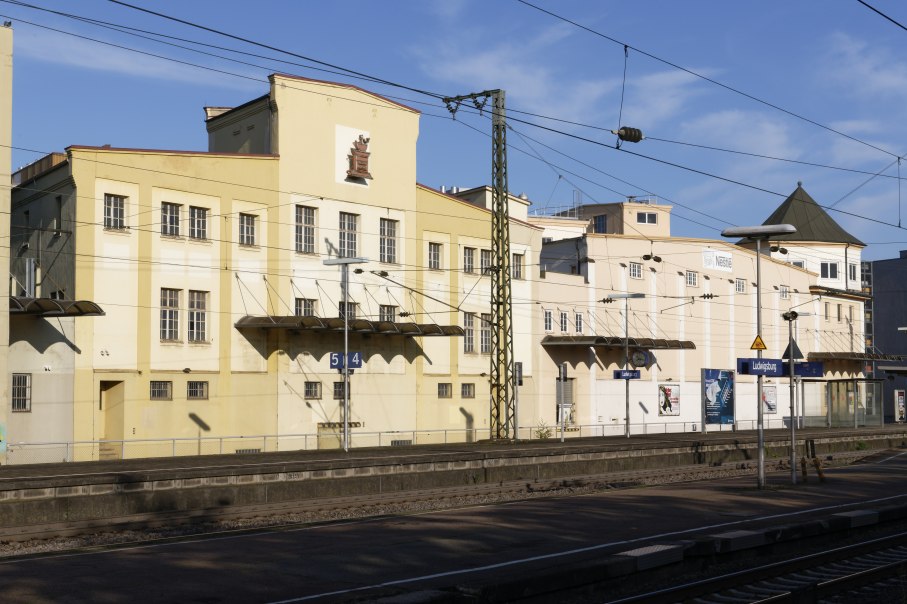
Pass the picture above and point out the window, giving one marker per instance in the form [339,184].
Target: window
[348,230]
[548,321]
[852,272]
[114,212]
[467,390]
[798,263]
[312,390]
[829,270]
[485,334]
[305,307]
[692,279]
[58,217]
[161,391]
[517,266]
[839,313]
[578,322]
[197,390]
[785,292]
[198,223]
[434,256]
[469,336]
[485,262]
[388,244]
[740,286]
[600,224]
[826,311]
[635,270]
[246,229]
[387,312]
[563,322]
[198,306]
[343,307]
[445,390]
[21,392]
[305,230]
[338,391]
[469,259]
[646,218]
[170,322]
[170,219]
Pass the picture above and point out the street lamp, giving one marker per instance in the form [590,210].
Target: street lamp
[758,233]
[344,285]
[792,353]
[626,299]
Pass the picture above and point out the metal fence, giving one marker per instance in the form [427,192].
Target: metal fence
[54,452]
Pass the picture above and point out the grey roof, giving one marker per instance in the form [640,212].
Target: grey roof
[812,221]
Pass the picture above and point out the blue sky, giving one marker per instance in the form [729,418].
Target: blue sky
[783,75]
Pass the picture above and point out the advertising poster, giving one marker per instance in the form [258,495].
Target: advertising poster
[770,399]
[718,395]
[899,407]
[668,399]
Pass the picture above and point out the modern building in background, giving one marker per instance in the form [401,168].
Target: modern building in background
[887,321]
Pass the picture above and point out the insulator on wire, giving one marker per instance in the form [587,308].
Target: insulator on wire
[631,135]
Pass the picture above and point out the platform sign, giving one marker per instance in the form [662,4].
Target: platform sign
[354,360]
[626,374]
[768,367]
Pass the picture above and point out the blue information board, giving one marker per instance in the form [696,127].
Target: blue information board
[354,360]
[769,367]
[626,374]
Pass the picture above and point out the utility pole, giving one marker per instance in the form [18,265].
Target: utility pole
[503,408]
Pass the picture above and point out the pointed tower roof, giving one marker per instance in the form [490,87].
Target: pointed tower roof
[812,221]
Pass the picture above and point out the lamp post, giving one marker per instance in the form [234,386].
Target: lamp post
[344,285]
[758,233]
[792,354]
[626,299]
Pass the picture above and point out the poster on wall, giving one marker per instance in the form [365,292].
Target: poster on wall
[718,395]
[770,399]
[899,407]
[668,399]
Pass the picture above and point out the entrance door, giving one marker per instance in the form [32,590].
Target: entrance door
[112,397]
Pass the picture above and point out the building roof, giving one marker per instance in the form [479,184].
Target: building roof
[812,221]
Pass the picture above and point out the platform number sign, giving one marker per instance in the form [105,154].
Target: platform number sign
[354,360]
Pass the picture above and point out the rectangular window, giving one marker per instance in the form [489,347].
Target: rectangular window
[198,317]
[198,223]
[467,390]
[485,334]
[21,392]
[161,391]
[114,211]
[312,390]
[798,263]
[839,313]
[548,321]
[388,243]
[445,390]
[517,266]
[305,230]
[563,322]
[434,256]
[740,286]
[469,335]
[646,218]
[826,311]
[785,292]
[829,270]
[387,312]
[246,229]
[485,262]
[170,219]
[469,259]
[578,322]
[852,272]
[170,314]
[600,224]
[692,279]
[344,307]
[197,390]
[348,232]
[338,391]
[635,270]
[305,307]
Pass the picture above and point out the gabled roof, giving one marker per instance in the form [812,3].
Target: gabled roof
[812,221]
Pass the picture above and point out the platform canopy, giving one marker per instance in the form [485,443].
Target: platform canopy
[51,307]
[854,356]
[336,324]
[615,342]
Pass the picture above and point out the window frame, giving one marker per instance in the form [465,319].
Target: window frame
[21,393]
[170,219]
[634,270]
[578,322]
[348,243]
[200,388]
[312,391]
[516,266]
[600,224]
[300,307]
[160,390]
[338,390]
[387,248]
[198,223]
[739,285]
[646,217]
[445,390]
[469,259]
[114,212]
[247,229]
[548,320]
[564,324]
[197,316]
[826,268]
[784,291]
[485,334]
[306,217]
[387,313]
[691,278]
[485,262]
[169,322]
[434,256]
[353,307]
[467,390]
[469,335]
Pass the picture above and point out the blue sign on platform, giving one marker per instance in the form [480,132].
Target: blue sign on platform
[813,369]
[354,360]
[626,374]
[769,367]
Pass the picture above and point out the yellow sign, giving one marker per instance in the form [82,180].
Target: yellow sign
[758,344]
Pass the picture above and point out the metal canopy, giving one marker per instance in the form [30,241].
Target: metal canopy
[615,342]
[49,307]
[854,356]
[335,324]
